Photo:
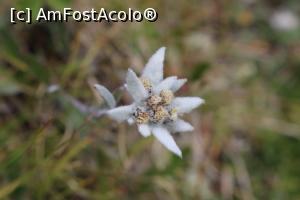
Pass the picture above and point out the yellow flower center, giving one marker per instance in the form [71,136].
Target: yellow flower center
[156,108]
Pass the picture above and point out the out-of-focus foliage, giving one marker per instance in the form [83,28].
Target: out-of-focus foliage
[242,57]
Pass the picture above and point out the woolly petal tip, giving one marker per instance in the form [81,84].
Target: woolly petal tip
[166,84]
[135,86]
[164,137]
[106,95]
[186,104]
[178,84]
[144,129]
[121,113]
[154,68]
[181,126]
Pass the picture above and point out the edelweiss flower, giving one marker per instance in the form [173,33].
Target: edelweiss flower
[155,109]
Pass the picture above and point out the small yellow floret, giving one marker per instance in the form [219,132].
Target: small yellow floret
[154,100]
[160,114]
[146,83]
[167,96]
[142,117]
[173,114]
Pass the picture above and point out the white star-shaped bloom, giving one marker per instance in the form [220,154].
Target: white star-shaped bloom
[155,109]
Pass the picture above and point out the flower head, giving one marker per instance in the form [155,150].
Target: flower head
[155,109]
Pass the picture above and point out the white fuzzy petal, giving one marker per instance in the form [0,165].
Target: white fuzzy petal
[178,84]
[144,129]
[154,68]
[180,126]
[163,135]
[121,113]
[135,86]
[165,84]
[106,95]
[130,121]
[186,104]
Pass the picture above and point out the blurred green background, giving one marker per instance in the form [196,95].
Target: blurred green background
[242,57]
